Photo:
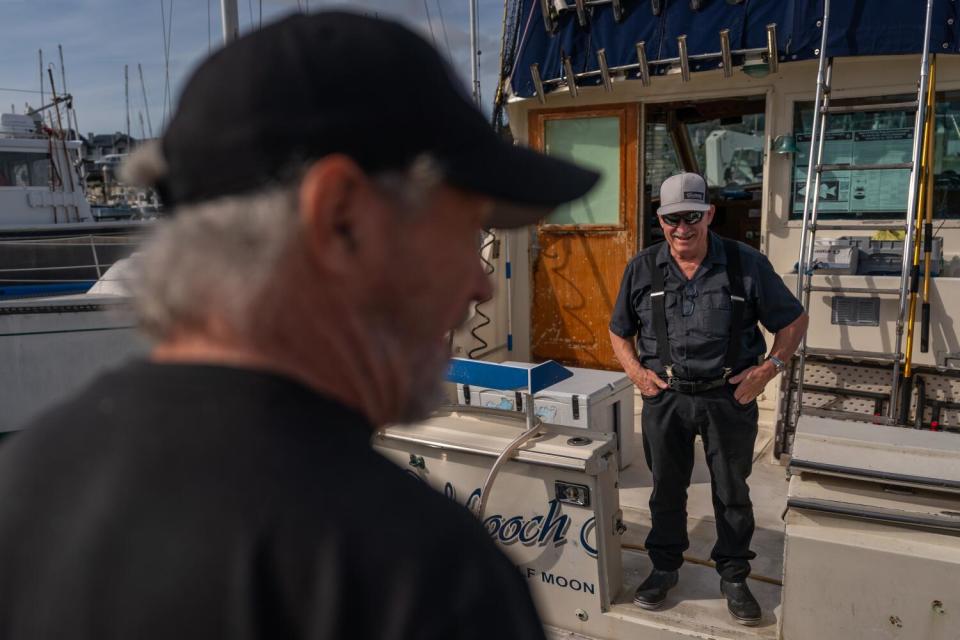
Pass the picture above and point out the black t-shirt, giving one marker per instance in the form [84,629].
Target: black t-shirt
[196,501]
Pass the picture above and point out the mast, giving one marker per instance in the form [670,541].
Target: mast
[72,125]
[126,91]
[146,105]
[231,20]
[43,100]
[474,53]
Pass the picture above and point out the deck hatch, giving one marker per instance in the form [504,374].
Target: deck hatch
[855,311]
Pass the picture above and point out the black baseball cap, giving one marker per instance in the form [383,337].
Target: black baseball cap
[338,82]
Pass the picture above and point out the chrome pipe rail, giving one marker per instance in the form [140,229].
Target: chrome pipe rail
[643,65]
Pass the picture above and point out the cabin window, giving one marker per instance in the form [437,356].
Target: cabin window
[661,157]
[729,151]
[877,137]
[593,142]
[24,169]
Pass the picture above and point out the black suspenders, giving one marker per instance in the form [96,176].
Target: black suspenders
[737,300]
[658,303]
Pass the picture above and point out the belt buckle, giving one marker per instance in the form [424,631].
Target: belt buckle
[674,383]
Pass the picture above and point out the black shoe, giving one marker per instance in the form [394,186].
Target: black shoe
[740,602]
[653,592]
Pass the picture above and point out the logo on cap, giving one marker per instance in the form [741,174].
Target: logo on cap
[693,195]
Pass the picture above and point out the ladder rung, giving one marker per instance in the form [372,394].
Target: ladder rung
[885,292]
[864,167]
[853,226]
[851,354]
[847,415]
[883,106]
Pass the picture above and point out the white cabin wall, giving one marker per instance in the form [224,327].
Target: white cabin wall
[495,334]
[795,82]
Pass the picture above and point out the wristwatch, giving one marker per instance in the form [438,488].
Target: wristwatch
[778,364]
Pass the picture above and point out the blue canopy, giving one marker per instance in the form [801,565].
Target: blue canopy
[857,28]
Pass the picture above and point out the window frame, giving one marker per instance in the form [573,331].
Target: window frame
[537,131]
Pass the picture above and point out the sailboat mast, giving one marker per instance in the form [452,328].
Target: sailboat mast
[126,91]
[231,20]
[43,99]
[474,52]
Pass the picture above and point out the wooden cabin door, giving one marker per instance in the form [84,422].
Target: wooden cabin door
[583,247]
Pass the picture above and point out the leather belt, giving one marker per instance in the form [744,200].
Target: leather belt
[694,386]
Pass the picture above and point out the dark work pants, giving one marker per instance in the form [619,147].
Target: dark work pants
[670,422]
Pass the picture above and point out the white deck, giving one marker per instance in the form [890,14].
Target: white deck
[695,607]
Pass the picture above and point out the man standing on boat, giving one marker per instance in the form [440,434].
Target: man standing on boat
[329,180]
[684,328]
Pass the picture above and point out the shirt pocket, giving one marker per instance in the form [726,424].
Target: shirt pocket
[714,317]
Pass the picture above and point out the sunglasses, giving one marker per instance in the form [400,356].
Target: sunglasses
[690,217]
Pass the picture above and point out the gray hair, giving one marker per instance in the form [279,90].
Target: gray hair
[219,256]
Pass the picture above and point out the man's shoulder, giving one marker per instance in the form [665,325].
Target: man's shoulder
[748,255]
[639,260]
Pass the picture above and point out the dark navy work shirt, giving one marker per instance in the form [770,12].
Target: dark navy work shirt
[698,310]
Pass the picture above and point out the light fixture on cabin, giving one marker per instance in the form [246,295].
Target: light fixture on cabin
[755,66]
[785,145]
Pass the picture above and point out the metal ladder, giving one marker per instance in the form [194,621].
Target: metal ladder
[810,226]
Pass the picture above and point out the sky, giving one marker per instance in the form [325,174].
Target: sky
[99,37]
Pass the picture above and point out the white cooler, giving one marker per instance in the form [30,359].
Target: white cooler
[595,400]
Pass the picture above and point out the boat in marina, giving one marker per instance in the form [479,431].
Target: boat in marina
[782,106]
[52,241]
[856,481]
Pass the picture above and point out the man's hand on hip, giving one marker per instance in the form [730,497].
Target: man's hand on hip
[649,383]
[751,382]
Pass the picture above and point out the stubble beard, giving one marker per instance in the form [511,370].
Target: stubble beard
[425,388]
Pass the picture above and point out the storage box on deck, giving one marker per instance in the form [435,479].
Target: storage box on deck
[600,401]
[830,256]
[884,257]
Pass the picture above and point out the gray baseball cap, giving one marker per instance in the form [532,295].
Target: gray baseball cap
[683,192]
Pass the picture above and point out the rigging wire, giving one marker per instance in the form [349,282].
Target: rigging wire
[443,25]
[250,8]
[20,90]
[426,9]
[167,23]
[209,30]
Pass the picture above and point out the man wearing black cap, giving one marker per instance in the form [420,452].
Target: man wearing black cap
[326,212]
[690,306]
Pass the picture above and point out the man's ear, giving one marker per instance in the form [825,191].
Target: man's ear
[710,214]
[331,196]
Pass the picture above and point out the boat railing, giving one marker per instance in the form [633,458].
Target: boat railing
[73,260]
